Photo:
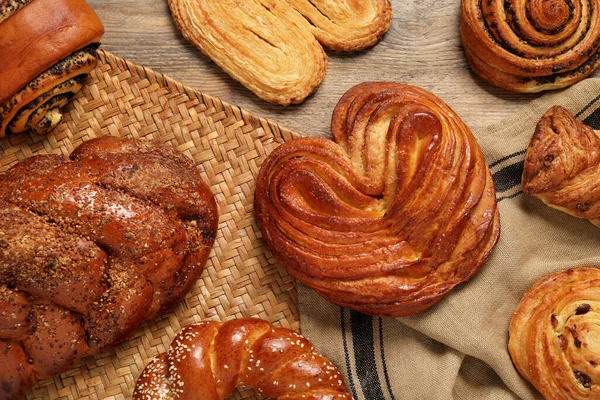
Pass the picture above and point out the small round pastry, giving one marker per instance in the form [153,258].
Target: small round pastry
[554,335]
[531,45]
[47,48]
[390,216]
[562,165]
[209,360]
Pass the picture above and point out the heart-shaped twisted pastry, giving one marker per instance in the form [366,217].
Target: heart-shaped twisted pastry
[390,218]
[562,165]
[531,45]
[209,360]
[553,335]
[47,48]
[272,46]
[92,246]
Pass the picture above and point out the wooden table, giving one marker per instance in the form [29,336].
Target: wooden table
[422,48]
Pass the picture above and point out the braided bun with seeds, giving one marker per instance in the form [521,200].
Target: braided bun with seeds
[209,360]
[92,246]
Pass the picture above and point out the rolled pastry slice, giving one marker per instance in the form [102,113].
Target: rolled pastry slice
[390,216]
[531,46]
[209,360]
[562,165]
[553,335]
[270,46]
[48,48]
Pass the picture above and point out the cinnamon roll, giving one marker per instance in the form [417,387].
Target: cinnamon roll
[531,45]
[272,47]
[47,48]
[553,335]
[562,165]
[392,214]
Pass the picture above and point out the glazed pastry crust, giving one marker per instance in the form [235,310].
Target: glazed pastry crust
[562,165]
[209,360]
[553,335]
[531,46]
[271,47]
[47,49]
[393,214]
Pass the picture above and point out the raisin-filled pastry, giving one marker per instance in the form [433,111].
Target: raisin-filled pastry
[562,165]
[531,45]
[91,247]
[47,49]
[392,214]
[209,360]
[554,335]
[273,47]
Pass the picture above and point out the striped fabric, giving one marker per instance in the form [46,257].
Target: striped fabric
[457,349]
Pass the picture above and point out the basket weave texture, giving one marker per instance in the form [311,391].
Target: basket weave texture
[228,145]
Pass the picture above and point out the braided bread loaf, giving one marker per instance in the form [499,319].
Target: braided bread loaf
[393,214]
[562,165]
[209,360]
[531,45]
[90,248]
[47,48]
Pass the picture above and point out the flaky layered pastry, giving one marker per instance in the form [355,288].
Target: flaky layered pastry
[389,217]
[562,165]
[272,46]
[47,48]
[531,45]
[209,360]
[91,247]
[554,335]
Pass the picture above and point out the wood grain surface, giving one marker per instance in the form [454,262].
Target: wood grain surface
[422,48]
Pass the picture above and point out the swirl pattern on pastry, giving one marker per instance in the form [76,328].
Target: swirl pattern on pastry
[92,246]
[389,217]
[562,165]
[553,335]
[272,46]
[48,48]
[531,45]
[209,360]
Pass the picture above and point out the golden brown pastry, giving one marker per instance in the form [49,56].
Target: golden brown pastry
[553,335]
[531,45]
[47,48]
[562,165]
[272,46]
[92,246]
[389,217]
[209,360]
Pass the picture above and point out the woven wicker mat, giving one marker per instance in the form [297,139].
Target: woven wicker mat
[228,145]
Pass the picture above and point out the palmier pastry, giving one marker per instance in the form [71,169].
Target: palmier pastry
[531,45]
[389,217]
[209,360]
[562,165]
[92,246]
[272,46]
[553,335]
[47,48]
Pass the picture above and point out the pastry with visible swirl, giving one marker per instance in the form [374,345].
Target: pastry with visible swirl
[47,48]
[272,46]
[209,360]
[390,216]
[531,45]
[553,335]
[562,165]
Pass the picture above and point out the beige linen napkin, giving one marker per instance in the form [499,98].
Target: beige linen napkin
[457,349]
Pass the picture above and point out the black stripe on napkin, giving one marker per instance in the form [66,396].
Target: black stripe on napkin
[385,370]
[347,353]
[364,355]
